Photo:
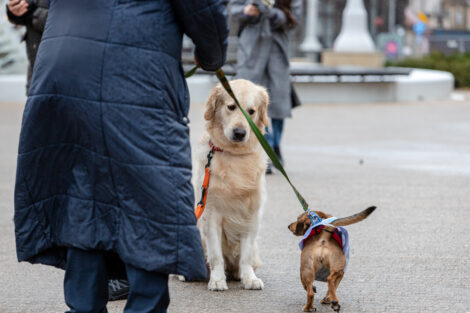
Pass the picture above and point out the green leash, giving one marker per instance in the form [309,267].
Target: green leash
[266,146]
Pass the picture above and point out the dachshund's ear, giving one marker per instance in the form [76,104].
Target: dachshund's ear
[303,223]
[300,229]
[212,102]
[263,99]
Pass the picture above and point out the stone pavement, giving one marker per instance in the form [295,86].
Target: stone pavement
[412,254]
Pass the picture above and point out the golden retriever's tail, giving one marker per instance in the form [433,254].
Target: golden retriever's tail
[354,218]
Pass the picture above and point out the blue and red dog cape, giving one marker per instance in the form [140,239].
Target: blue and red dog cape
[340,234]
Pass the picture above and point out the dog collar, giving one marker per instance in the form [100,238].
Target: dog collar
[214,148]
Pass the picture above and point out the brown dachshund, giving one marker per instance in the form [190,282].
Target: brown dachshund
[323,250]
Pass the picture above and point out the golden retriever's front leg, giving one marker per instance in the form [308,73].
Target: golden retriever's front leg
[213,239]
[248,256]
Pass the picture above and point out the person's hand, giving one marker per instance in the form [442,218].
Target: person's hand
[18,7]
[251,10]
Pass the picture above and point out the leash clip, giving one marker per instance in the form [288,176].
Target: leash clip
[210,155]
[314,218]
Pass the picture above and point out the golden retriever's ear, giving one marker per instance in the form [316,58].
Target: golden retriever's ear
[211,103]
[263,108]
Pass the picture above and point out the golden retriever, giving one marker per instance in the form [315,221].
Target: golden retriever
[236,194]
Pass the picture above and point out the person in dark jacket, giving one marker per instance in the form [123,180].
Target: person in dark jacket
[33,15]
[103,181]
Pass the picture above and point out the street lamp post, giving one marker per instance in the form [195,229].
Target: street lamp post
[311,46]
[391,15]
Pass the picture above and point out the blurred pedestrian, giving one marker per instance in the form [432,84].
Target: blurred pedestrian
[263,55]
[33,15]
[103,182]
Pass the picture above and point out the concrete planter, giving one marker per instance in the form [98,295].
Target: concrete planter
[420,85]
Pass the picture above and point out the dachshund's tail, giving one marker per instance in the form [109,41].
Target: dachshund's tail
[354,218]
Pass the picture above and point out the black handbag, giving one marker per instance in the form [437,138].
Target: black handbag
[294,98]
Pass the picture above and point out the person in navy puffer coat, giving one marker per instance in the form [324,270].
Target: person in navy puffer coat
[103,184]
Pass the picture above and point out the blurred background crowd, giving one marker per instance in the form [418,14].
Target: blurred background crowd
[431,34]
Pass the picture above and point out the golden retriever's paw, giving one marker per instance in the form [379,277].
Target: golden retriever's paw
[217,285]
[253,283]
[307,309]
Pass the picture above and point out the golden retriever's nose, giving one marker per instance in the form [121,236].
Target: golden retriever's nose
[239,134]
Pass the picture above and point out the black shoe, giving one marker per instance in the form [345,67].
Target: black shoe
[118,289]
[277,151]
[269,169]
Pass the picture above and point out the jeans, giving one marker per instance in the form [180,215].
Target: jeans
[273,135]
[86,285]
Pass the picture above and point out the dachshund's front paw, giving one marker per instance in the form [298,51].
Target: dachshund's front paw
[335,306]
[307,309]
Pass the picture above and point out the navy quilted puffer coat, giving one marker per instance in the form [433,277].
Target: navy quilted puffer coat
[104,155]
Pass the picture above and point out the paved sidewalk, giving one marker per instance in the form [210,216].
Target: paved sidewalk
[412,255]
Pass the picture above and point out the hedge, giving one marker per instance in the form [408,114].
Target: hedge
[457,64]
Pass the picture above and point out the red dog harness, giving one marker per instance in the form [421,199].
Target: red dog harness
[335,234]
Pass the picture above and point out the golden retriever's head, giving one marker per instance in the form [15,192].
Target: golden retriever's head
[226,124]
[300,226]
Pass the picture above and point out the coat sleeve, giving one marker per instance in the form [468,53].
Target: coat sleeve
[39,18]
[19,20]
[205,22]
[277,17]
[35,17]
[236,12]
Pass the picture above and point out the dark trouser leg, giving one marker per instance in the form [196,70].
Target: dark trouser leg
[277,127]
[148,291]
[85,282]
[268,135]
[269,138]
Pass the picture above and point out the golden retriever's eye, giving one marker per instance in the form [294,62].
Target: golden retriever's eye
[251,111]
[231,107]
